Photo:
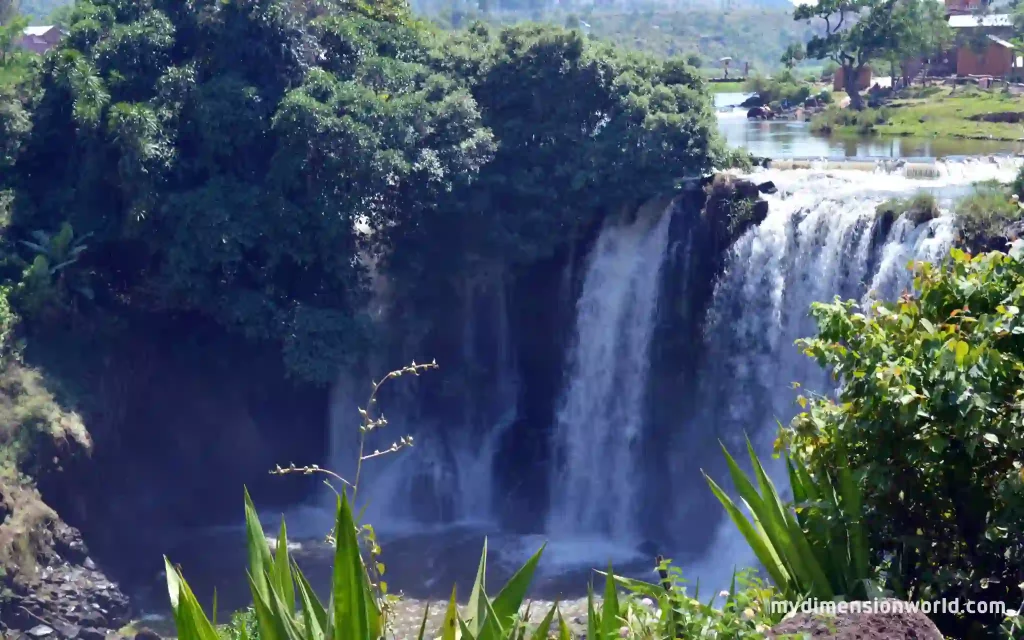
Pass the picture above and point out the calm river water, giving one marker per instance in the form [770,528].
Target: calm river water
[782,139]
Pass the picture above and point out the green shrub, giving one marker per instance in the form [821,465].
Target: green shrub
[1018,184]
[783,88]
[921,207]
[928,422]
[242,625]
[661,611]
[51,284]
[984,214]
[825,96]
[834,118]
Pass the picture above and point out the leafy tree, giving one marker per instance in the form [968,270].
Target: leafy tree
[929,416]
[10,30]
[579,125]
[258,185]
[793,54]
[14,127]
[864,30]
[229,180]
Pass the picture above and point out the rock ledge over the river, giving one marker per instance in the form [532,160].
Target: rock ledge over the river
[901,622]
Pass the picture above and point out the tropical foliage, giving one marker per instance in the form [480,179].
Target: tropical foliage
[927,422]
[817,549]
[258,186]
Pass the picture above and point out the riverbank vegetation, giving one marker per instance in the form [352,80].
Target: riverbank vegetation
[787,89]
[926,418]
[146,166]
[943,112]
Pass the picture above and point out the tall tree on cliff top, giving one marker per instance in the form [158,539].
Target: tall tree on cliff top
[859,31]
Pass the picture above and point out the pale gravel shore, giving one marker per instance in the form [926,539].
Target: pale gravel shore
[408,616]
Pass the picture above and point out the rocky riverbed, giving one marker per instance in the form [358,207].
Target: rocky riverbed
[49,586]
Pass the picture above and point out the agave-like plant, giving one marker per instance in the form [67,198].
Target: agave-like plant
[498,619]
[815,549]
[287,608]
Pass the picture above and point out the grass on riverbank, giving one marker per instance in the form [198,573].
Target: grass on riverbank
[726,87]
[937,112]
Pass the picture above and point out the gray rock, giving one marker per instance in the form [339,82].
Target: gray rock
[40,631]
[876,620]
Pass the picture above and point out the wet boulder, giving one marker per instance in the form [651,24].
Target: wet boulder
[753,101]
[760,113]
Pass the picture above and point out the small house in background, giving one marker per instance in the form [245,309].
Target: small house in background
[39,39]
[982,45]
[997,58]
[863,79]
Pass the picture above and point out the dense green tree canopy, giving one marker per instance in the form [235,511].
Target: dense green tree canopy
[253,160]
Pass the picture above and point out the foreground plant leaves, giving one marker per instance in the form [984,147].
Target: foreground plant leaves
[821,551]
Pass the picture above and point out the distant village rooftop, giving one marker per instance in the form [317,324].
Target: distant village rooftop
[968,21]
[38,31]
[39,39]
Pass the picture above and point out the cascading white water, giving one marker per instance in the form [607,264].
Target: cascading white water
[602,412]
[818,242]
[448,476]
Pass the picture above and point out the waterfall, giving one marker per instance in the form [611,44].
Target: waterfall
[448,476]
[602,412]
[821,239]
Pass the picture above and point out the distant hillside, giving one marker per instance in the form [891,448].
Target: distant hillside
[39,10]
[745,30]
[754,31]
[755,35]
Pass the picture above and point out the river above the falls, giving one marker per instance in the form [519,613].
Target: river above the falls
[793,139]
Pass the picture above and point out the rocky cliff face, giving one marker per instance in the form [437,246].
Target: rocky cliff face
[49,586]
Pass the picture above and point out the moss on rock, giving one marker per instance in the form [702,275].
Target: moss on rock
[919,208]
